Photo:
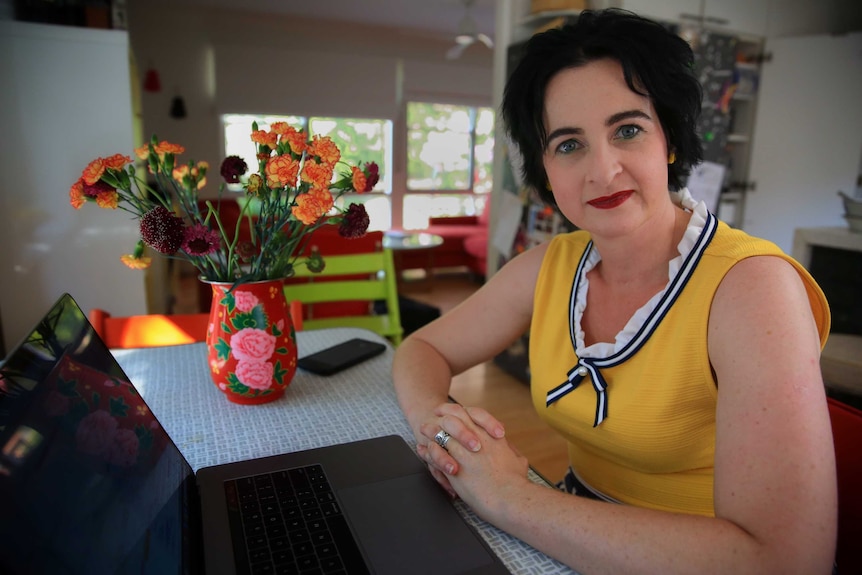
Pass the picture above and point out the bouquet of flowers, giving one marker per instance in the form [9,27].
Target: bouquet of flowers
[294,192]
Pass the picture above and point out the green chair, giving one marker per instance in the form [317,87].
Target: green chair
[367,277]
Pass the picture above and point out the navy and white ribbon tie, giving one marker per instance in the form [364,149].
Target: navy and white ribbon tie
[574,377]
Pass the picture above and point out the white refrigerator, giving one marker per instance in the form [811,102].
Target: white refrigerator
[65,99]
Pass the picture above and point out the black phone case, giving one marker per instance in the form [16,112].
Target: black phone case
[340,356]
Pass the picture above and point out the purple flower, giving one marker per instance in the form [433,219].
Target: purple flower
[199,240]
[372,175]
[162,230]
[355,222]
[93,191]
[232,168]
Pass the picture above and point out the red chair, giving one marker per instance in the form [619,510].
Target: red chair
[155,330]
[152,330]
[847,437]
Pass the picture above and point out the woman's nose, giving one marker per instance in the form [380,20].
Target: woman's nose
[603,164]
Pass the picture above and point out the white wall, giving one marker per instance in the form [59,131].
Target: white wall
[808,135]
[64,100]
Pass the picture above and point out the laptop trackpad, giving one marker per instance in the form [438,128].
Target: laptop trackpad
[414,511]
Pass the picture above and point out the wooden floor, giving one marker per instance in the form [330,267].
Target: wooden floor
[490,387]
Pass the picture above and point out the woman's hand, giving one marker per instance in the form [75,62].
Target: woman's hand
[465,426]
[489,477]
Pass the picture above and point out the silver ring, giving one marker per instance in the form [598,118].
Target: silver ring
[442,438]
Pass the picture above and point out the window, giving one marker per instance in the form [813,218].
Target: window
[360,140]
[450,152]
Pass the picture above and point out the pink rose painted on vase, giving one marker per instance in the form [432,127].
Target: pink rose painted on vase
[255,374]
[251,344]
[245,301]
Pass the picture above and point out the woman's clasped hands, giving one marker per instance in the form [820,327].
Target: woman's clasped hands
[478,464]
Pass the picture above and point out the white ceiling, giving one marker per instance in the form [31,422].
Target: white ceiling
[440,17]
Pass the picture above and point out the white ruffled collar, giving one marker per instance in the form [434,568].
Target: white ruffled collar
[699,214]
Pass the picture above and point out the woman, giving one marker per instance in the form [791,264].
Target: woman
[678,357]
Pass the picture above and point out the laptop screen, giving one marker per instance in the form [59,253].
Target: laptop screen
[89,480]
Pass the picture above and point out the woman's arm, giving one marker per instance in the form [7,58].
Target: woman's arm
[775,495]
[474,332]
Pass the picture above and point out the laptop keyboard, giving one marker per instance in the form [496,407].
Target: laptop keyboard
[289,522]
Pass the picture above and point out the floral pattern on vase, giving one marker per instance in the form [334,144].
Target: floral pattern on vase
[251,342]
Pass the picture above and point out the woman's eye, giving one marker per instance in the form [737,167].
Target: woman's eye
[629,131]
[568,147]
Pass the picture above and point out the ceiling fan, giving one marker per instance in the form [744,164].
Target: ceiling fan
[468,34]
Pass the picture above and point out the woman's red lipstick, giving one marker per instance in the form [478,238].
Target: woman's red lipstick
[612,201]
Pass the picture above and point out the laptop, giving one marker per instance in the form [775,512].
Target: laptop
[91,483]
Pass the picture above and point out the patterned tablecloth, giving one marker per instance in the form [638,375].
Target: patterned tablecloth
[315,411]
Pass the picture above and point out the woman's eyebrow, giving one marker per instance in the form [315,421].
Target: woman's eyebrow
[567,131]
[626,115]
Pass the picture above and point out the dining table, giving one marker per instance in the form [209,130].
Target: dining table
[315,411]
[401,242]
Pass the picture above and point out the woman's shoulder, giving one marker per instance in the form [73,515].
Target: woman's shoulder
[756,267]
[737,244]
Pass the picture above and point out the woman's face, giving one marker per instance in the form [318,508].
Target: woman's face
[606,158]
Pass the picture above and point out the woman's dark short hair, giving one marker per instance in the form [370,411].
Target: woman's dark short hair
[656,63]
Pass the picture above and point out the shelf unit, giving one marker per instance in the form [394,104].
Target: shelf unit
[742,115]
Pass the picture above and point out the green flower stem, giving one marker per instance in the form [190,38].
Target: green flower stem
[231,260]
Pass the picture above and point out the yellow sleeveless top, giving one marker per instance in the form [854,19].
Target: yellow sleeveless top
[640,422]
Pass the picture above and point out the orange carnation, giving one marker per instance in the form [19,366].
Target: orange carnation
[318,175]
[140,263]
[143,152]
[325,149]
[108,199]
[164,147]
[358,179]
[295,139]
[180,173]
[93,172]
[308,209]
[117,161]
[76,195]
[281,171]
[264,138]
[324,197]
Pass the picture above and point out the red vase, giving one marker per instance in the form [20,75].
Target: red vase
[251,342]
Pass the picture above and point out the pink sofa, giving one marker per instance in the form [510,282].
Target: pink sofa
[465,243]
